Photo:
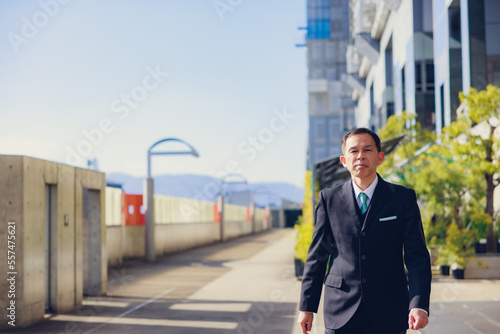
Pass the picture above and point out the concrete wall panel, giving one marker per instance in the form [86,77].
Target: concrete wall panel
[65,239]
[171,238]
[133,241]
[33,250]
[486,266]
[88,179]
[24,183]
[234,229]
[114,242]
[11,210]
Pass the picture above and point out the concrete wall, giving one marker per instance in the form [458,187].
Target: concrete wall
[114,245]
[44,200]
[113,209]
[171,238]
[133,242]
[484,266]
[180,224]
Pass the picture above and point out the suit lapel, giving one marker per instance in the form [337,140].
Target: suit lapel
[381,194]
[350,204]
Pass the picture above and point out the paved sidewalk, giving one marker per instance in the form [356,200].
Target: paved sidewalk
[245,286]
[457,307]
[464,306]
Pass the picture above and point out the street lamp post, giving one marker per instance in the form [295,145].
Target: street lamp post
[222,203]
[148,200]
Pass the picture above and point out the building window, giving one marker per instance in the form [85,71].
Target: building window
[348,119]
[388,67]
[330,51]
[336,3]
[418,77]
[403,88]
[334,127]
[318,19]
[372,101]
[441,104]
[319,128]
[317,73]
[320,103]
[336,26]
[429,76]
[316,51]
[331,74]
[424,76]
[493,66]
[320,153]
[390,109]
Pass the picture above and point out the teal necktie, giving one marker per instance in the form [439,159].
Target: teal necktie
[364,204]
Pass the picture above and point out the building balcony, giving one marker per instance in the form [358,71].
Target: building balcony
[381,18]
[364,69]
[367,46]
[356,83]
[353,59]
[393,4]
[317,86]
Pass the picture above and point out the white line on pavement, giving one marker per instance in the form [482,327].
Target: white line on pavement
[132,310]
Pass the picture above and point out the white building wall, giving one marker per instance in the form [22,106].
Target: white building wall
[441,60]
[400,27]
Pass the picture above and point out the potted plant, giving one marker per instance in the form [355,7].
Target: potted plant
[459,244]
[443,260]
[305,230]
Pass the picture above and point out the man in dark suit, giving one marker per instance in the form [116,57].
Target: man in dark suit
[368,229]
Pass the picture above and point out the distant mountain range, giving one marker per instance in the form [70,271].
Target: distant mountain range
[207,188]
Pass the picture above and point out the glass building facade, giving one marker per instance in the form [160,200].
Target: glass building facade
[331,109]
[467,51]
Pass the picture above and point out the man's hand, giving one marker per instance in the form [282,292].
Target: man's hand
[305,321]
[417,319]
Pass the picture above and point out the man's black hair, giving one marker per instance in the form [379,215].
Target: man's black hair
[360,131]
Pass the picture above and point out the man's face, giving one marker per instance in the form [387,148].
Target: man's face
[361,157]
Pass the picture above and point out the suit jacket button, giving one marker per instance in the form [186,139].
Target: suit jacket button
[363,234]
[363,257]
[363,280]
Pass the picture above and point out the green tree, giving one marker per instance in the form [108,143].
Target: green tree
[443,186]
[452,193]
[475,146]
[305,223]
[400,164]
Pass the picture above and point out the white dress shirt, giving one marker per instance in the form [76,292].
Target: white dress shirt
[369,192]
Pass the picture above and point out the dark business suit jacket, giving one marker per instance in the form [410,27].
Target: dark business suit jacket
[366,258]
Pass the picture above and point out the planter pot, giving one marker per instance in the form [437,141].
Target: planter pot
[480,248]
[445,270]
[458,273]
[299,268]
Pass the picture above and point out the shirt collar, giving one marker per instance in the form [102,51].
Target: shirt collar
[369,191]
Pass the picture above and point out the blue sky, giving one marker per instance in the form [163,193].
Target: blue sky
[106,79]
